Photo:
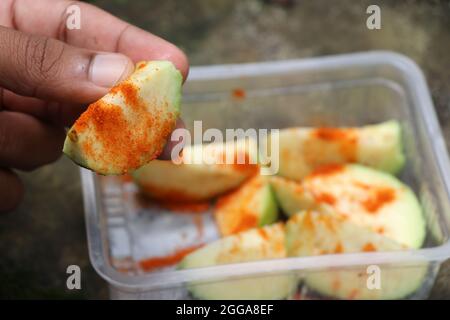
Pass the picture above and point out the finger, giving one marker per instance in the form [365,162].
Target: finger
[11,190]
[99,30]
[26,142]
[166,154]
[36,66]
[62,114]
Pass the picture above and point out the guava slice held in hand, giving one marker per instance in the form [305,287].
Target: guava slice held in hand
[129,126]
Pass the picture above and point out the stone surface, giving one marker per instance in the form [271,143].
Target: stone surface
[47,233]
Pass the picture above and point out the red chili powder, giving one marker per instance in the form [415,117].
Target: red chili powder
[169,260]
[141,65]
[339,248]
[279,246]
[325,197]
[130,93]
[110,126]
[369,247]
[240,162]
[346,138]
[331,134]
[126,178]
[124,146]
[379,198]
[238,93]
[244,221]
[327,170]
[263,234]
[88,149]
[308,222]
[246,166]
[232,218]
[362,185]
[327,222]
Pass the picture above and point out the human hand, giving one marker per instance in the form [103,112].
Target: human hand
[48,74]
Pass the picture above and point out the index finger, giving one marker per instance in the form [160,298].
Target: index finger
[98,31]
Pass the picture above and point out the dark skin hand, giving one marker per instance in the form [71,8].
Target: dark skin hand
[49,74]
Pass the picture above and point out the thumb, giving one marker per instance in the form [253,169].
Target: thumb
[46,68]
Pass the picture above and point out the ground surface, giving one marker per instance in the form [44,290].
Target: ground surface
[46,234]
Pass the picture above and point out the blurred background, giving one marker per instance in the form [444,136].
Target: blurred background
[47,232]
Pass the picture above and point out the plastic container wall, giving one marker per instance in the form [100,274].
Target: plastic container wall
[346,90]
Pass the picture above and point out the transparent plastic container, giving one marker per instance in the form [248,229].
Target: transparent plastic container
[345,90]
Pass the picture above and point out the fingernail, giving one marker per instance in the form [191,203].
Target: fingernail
[109,68]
